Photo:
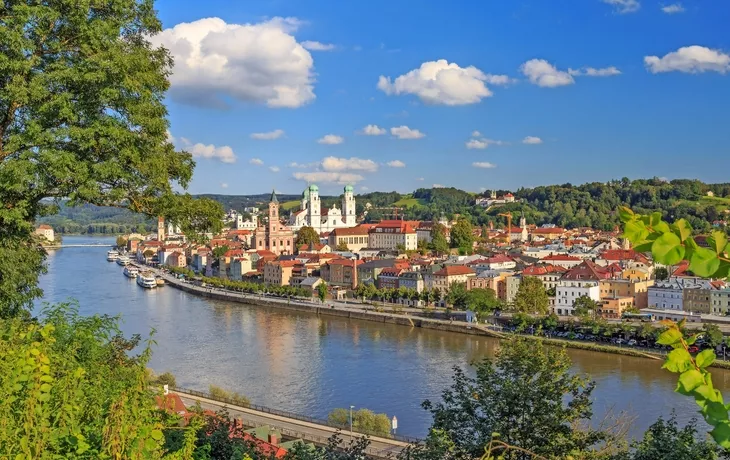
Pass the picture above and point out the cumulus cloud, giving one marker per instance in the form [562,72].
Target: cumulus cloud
[404,132]
[441,82]
[396,164]
[348,164]
[317,46]
[328,177]
[483,165]
[482,143]
[593,72]
[294,164]
[624,6]
[221,153]
[373,130]
[224,185]
[274,169]
[256,161]
[476,134]
[690,59]
[269,136]
[331,139]
[673,9]
[532,140]
[541,73]
[257,63]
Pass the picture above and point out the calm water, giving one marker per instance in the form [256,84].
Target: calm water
[310,365]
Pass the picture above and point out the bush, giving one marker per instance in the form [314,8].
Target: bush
[218,393]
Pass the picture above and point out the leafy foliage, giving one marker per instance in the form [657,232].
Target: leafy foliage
[531,296]
[457,296]
[363,420]
[219,393]
[439,243]
[307,236]
[482,301]
[461,235]
[585,306]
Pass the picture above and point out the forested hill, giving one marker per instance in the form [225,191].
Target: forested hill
[590,205]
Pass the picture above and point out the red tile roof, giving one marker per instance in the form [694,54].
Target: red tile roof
[543,269]
[588,271]
[345,262]
[561,257]
[360,230]
[453,270]
[548,231]
[45,227]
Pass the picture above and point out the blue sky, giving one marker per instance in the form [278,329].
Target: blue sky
[557,91]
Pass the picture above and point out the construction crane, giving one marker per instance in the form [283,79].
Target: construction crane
[508,215]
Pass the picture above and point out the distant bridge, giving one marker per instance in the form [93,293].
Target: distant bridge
[98,245]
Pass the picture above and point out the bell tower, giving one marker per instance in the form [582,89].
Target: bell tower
[348,207]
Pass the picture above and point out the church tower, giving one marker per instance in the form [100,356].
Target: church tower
[315,208]
[160,229]
[273,213]
[348,207]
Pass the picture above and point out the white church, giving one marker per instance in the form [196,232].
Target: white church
[324,220]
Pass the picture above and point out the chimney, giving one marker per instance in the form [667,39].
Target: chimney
[165,389]
[273,438]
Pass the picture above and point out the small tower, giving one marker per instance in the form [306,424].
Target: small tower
[348,207]
[315,208]
[493,195]
[305,199]
[273,213]
[523,221]
[160,229]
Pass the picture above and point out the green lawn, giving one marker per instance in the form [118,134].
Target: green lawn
[716,200]
[407,202]
[289,205]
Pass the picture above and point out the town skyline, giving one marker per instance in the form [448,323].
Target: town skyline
[278,95]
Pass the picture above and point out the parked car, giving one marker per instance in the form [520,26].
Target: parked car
[693,349]
[631,343]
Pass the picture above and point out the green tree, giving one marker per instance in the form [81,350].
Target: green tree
[439,243]
[528,396]
[531,296]
[221,394]
[121,241]
[713,334]
[307,236]
[457,296]
[482,301]
[322,291]
[462,235]
[363,420]
[661,273]
[72,127]
[585,307]
[342,246]
[220,251]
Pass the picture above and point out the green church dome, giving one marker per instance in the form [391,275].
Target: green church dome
[348,188]
[313,188]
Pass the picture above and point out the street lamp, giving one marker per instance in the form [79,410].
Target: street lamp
[351,407]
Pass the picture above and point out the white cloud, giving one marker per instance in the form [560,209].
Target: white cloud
[256,161]
[624,6]
[373,130]
[404,132]
[331,139]
[483,165]
[593,72]
[317,46]
[438,82]
[328,177]
[421,178]
[259,63]
[396,164]
[364,188]
[437,186]
[222,153]
[672,9]
[499,80]
[690,59]
[294,164]
[482,189]
[482,143]
[224,185]
[532,140]
[476,134]
[541,73]
[274,169]
[348,164]
[269,136]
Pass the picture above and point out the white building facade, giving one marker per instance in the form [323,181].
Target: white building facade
[311,214]
[567,291]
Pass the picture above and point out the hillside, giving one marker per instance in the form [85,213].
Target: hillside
[592,204]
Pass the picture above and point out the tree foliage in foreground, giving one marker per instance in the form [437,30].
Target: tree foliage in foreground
[528,396]
[82,117]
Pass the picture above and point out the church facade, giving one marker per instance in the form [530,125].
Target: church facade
[274,236]
[321,220]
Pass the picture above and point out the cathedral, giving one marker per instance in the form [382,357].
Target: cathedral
[324,220]
[274,236]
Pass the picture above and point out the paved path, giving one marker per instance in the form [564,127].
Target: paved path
[292,428]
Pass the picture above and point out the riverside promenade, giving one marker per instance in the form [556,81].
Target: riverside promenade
[292,426]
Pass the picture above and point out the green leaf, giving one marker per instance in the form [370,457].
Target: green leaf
[45,388]
[669,337]
[625,213]
[704,262]
[714,412]
[661,227]
[655,218]
[717,241]
[721,434]
[668,249]
[44,397]
[635,231]
[689,380]
[705,358]
[678,360]
[682,229]
[692,339]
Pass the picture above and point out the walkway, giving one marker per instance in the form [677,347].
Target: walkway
[292,427]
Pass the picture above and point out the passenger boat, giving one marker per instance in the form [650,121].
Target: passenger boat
[146,280]
[112,255]
[130,271]
[123,260]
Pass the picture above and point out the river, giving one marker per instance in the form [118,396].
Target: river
[308,364]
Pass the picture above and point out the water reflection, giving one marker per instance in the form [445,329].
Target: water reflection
[310,364]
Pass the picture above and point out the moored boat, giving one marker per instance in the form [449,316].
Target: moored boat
[123,260]
[146,280]
[112,255]
[130,271]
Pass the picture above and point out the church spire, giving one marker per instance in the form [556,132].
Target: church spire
[273,197]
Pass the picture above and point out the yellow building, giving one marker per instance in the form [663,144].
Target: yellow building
[635,274]
[613,307]
[278,272]
[638,290]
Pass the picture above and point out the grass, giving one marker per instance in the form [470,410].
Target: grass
[408,202]
[289,205]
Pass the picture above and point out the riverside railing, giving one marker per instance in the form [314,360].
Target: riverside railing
[292,415]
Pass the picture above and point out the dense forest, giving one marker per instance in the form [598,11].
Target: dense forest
[588,205]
